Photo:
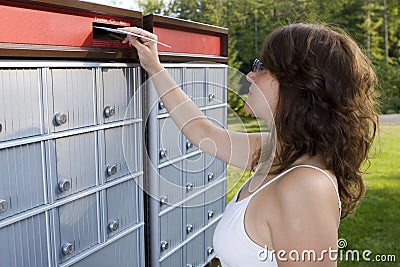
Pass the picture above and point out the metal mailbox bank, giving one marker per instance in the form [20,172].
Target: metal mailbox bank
[69,193]
[187,187]
[82,135]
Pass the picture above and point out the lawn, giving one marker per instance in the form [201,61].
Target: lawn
[375,226]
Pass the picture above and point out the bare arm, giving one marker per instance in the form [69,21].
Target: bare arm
[234,148]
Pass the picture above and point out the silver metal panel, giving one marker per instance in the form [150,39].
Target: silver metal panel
[216,85]
[194,173]
[214,169]
[209,246]
[123,203]
[21,179]
[195,251]
[187,146]
[175,260]
[77,224]
[171,229]
[169,140]
[71,92]
[120,86]
[20,100]
[24,243]
[170,184]
[73,159]
[215,201]
[195,215]
[195,85]
[128,251]
[176,74]
[122,150]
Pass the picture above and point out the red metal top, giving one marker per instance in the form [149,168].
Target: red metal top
[61,23]
[189,40]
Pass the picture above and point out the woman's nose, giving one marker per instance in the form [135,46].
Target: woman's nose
[250,76]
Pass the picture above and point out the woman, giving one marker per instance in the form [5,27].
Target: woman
[319,87]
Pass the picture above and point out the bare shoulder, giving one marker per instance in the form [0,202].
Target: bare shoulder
[306,181]
[305,214]
[306,194]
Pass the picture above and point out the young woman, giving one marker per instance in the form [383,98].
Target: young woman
[319,87]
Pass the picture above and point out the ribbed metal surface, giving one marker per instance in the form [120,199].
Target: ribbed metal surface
[72,92]
[195,215]
[121,148]
[194,255]
[194,173]
[78,225]
[55,199]
[194,85]
[20,103]
[169,140]
[24,243]
[171,229]
[21,178]
[122,206]
[216,85]
[68,154]
[120,85]
[170,184]
[128,251]
[189,181]
[176,259]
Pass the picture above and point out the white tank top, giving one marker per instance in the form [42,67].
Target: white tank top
[233,246]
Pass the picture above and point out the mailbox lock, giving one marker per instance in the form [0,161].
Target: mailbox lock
[189,228]
[161,105]
[189,187]
[210,251]
[163,153]
[211,96]
[111,170]
[109,111]
[163,200]
[189,145]
[64,185]
[210,176]
[113,226]
[67,248]
[210,214]
[3,205]
[60,118]
[164,245]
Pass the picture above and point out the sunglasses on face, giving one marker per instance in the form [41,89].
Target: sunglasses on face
[257,66]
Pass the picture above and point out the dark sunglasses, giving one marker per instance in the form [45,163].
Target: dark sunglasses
[257,66]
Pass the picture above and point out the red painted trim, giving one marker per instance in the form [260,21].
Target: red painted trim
[188,42]
[30,26]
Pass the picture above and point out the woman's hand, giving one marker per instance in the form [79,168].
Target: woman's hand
[147,50]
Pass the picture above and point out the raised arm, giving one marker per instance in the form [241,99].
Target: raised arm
[234,148]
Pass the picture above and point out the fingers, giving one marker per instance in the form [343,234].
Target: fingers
[140,31]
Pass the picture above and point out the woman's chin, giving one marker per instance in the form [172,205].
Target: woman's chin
[248,109]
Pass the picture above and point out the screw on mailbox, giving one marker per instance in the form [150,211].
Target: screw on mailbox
[3,205]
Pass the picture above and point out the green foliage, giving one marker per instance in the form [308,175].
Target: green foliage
[249,22]
[389,83]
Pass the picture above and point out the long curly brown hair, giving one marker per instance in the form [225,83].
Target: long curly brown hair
[327,102]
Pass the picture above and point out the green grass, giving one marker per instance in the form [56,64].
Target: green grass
[375,225]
